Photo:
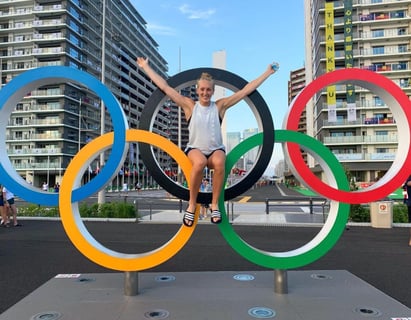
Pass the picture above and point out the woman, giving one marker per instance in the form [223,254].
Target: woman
[4,217]
[203,116]
[407,187]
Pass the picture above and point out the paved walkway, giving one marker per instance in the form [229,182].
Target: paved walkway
[36,252]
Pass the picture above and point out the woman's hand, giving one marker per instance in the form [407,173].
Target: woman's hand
[142,62]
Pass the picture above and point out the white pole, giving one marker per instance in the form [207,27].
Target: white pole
[48,168]
[79,125]
[102,192]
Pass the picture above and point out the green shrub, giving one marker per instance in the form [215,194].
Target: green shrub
[359,213]
[400,213]
[95,210]
[30,211]
[109,210]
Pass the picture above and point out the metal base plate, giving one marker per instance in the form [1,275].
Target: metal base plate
[319,294]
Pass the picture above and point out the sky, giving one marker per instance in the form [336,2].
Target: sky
[253,35]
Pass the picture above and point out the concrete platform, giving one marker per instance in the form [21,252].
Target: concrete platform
[319,294]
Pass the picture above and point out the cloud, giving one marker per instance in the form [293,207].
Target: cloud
[161,30]
[196,14]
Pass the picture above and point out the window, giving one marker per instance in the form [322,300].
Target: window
[74,53]
[404,83]
[377,33]
[380,115]
[397,14]
[381,133]
[74,26]
[378,50]
[402,48]
[400,65]
[74,39]
[378,101]
[53,91]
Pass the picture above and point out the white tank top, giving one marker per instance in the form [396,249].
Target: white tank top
[205,129]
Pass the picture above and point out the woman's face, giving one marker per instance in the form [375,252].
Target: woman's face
[205,90]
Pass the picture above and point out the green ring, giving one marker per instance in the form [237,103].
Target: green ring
[330,232]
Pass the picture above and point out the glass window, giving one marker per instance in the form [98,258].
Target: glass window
[381,150]
[397,14]
[381,133]
[74,12]
[74,26]
[74,39]
[378,101]
[74,53]
[378,50]
[378,33]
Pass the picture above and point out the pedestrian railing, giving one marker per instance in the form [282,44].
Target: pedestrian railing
[310,202]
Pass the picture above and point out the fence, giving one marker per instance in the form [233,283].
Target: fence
[311,202]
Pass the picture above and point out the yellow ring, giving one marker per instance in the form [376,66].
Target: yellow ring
[75,227]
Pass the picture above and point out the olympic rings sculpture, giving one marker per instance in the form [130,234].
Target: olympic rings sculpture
[337,188]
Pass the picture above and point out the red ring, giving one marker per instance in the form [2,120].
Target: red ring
[376,191]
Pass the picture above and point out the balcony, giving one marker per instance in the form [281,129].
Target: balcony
[360,122]
[361,139]
[34,151]
[346,157]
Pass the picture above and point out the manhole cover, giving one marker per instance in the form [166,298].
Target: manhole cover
[321,276]
[165,278]
[261,313]
[368,311]
[243,277]
[86,280]
[48,315]
[157,314]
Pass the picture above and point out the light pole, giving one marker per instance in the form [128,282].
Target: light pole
[48,168]
[102,192]
[79,125]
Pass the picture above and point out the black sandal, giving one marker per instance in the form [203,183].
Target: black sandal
[188,218]
[216,217]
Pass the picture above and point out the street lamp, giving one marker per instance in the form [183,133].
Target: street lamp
[102,192]
[79,125]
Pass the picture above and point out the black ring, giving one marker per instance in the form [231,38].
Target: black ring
[227,80]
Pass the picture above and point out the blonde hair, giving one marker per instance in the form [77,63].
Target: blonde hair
[206,76]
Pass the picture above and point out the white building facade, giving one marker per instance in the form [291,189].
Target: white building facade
[51,123]
[356,124]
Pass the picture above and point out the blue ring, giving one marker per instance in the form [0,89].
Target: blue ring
[15,90]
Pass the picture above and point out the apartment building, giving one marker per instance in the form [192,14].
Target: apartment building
[51,123]
[295,85]
[356,124]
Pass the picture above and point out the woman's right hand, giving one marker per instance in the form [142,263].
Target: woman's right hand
[142,62]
